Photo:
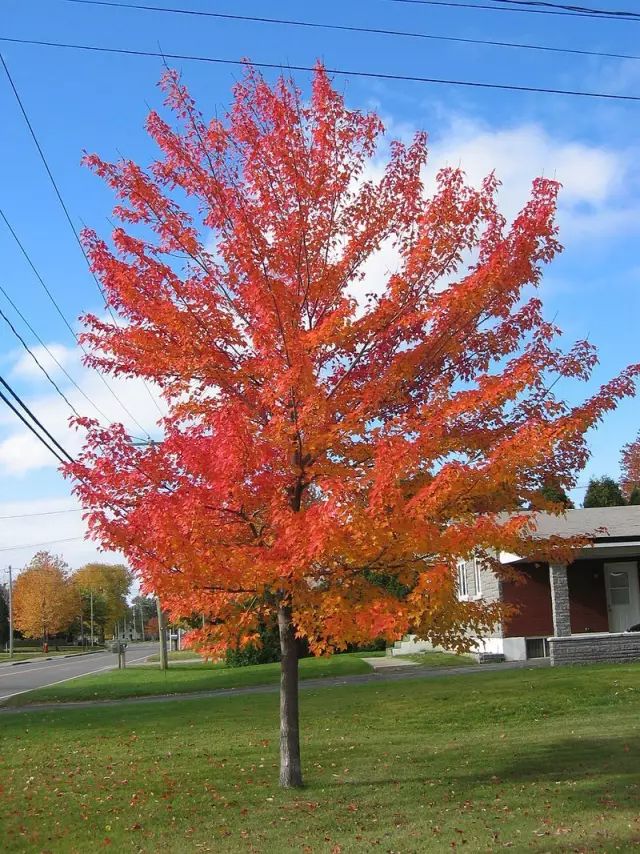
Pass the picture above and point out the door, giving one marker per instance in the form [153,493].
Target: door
[623,599]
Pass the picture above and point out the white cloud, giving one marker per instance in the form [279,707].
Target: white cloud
[598,183]
[51,358]
[21,452]
[62,532]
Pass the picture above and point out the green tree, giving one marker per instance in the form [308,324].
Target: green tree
[553,491]
[4,614]
[109,585]
[634,498]
[603,492]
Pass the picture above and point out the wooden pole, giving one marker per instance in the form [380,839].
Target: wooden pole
[162,636]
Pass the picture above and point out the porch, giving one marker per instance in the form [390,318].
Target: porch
[581,612]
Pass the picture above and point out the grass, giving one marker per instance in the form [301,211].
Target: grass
[439,659]
[177,655]
[531,761]
[184,678]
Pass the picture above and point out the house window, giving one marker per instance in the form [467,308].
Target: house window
[537,647]
[463,591]
[477,576]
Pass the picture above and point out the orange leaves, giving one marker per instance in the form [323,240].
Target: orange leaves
[45,601]
[325,448]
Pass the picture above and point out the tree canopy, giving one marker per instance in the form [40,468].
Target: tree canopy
[45,602]
[110,585]
[630,466]
[603,492]
[330,435]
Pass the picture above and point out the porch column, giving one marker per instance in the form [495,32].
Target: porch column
[560,599]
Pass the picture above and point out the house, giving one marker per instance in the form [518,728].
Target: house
[572,613]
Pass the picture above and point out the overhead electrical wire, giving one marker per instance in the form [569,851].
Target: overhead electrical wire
[55,304]
[37,545]
[602,15]
[75,234]
[585,10]
[41,513]
[33,418]
[39,363]
[51,354]
[474,84]
[31,428]
[353,29]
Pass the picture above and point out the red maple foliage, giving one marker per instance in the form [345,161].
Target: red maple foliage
[327,450]
[630,466]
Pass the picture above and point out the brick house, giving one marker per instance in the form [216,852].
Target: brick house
[579,612]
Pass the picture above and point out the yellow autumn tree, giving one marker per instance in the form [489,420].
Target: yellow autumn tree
[44,600]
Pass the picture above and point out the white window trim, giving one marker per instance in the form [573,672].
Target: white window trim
[477,578]
[462,586]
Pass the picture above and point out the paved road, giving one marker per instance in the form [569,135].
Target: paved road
[18,678]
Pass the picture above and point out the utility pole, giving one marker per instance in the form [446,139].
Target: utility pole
[10,615]
[141,621]
[91,600]
[162,636]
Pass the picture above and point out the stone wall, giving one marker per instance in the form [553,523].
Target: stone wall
[593,648]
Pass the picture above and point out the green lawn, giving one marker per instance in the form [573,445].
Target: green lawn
[531,761]
[184,678]
[178,655]
[438,659]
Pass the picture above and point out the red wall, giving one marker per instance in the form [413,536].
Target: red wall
[588,597]
[533,595]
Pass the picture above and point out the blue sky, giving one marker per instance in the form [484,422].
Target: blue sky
[98,102]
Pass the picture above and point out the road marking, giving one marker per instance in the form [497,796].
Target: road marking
[69,678]
[16,671]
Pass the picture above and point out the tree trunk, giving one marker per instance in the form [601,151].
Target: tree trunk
[290,765]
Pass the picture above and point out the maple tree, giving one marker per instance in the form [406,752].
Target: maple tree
[328,442]
[630,466]
[44,600]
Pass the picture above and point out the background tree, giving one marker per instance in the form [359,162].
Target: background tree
[44,601]
[554,493]
[603,492]
[630,467]
[326,433]
[110,585]
[634,497]
[4,614]
[143,610]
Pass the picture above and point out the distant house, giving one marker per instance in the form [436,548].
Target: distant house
[580,612]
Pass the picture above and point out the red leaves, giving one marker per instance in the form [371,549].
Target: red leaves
[322,447]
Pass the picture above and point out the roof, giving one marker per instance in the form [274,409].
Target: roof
[618,522]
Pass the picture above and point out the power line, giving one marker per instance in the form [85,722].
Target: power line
[351,29]
[51,353]
[42,513]
[30,427]
[565,12]
[35,420]
[583,10]
[73,229]
[474,84]
[37,545]
[55,304]
[39,364]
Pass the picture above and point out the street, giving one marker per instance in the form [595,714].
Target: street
[18,678]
